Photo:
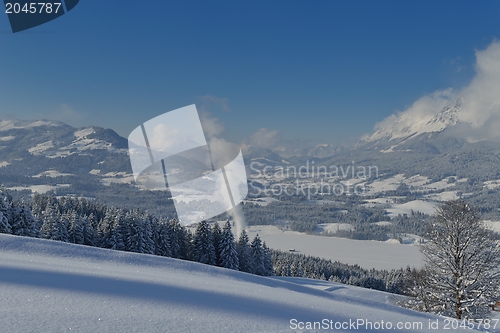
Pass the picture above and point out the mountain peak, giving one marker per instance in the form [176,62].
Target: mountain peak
[403,127]
[447,117]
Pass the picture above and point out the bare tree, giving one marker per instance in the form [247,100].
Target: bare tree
[417,282]
[461,274]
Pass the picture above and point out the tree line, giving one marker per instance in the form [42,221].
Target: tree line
[395,281]
[86,222]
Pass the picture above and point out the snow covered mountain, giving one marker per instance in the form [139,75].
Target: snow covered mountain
[55,139]
[50,286]
[403,128]
[31,148]
[43,155]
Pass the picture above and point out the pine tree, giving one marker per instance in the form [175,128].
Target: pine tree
[93,224]
[180,240]
[88,231]
[187,245]
[203,247]
[284,266]
[36,205]
[163,242]
[257,257]
[54,226]
[61,229]
[75,228]
[296,269]
[104,228]
[228,253]
[147,225]
[23,222]
[176,238]
[119,232]
[268,261]
[135,239]
[396,281]
[5,214]
[243,250]
[216,238]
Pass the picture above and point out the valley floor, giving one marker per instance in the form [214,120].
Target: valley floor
[367,254]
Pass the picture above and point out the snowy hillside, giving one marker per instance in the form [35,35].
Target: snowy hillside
[49,286]
[52,139]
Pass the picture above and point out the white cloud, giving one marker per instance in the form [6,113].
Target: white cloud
[482,96]
[222,151]
[212,126]
[265,138]
[480,111]
[420,111]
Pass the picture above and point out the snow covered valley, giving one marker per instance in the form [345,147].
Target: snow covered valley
[365,253]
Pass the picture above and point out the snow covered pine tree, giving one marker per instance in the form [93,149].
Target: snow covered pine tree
[462,260]
[243,249]
[204,250]
[228,253]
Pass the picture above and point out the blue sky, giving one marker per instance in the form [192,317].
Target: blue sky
[313,71]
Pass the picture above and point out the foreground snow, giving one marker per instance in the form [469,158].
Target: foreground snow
[48,286]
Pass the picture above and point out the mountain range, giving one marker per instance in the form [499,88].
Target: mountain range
[44,155]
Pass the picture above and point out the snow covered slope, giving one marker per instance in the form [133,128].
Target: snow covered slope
[49,286]
[53,139]
[402,127]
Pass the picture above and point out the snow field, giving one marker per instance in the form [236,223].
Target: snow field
[367,254]
[49,286]
[52,174]
[427,207]
[38,188]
